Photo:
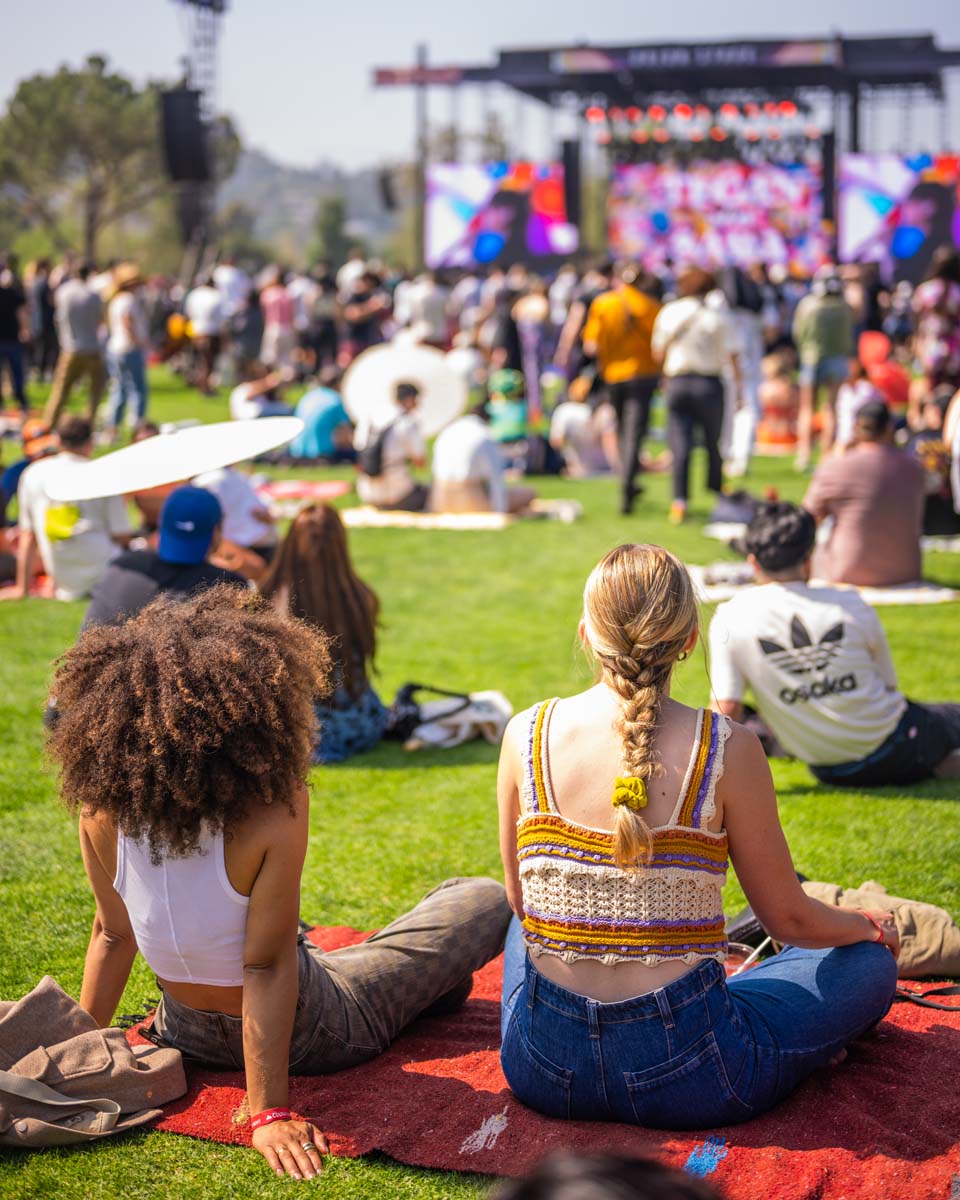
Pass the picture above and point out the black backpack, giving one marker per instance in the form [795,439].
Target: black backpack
[370,458]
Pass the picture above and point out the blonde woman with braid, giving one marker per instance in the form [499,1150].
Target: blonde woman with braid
[619,808]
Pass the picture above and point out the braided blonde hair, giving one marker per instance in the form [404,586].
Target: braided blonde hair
[639,611]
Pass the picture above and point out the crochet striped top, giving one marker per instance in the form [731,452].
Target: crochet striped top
[578,904]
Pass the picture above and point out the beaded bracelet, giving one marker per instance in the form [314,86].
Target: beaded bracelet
[268,1116]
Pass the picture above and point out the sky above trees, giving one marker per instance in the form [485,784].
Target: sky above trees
[296,73]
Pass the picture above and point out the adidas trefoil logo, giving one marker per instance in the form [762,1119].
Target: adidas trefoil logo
[805,656]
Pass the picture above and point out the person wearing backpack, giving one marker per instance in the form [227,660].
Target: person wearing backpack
[385,454]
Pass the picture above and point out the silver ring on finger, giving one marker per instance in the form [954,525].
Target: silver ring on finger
[308,1146]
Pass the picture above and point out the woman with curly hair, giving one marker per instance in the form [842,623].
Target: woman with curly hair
[618,810]
[184,741]
[312,579]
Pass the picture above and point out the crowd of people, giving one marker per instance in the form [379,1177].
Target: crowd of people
[220,658]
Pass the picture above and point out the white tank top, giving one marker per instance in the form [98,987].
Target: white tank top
[189,920]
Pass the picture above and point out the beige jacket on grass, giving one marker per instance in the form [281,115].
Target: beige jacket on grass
[63,1080]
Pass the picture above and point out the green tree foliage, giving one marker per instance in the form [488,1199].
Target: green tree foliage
[81,150]
[330,238]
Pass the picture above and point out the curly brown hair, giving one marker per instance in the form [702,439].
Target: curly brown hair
[190,714]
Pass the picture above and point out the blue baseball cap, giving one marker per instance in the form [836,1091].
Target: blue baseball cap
[187,521]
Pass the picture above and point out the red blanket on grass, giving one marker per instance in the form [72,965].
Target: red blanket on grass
[885,1124]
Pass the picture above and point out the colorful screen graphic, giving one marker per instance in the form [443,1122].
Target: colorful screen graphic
[503,212]
[896,211]
[717,214]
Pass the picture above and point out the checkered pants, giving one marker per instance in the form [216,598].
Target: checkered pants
[353,1002]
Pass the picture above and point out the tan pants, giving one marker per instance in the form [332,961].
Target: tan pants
[72,367]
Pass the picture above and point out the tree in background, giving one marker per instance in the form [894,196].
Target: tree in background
[82,149]
[330,238]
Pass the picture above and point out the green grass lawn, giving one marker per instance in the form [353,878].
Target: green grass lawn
[467,610]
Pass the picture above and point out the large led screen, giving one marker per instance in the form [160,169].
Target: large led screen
[717,214]
[502,212]
[896,211]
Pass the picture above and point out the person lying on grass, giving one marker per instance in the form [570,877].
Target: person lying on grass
[184,743]
[618,810]
[819,666]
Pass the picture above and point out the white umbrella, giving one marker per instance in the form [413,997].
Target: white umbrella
[168,458]
[368,386]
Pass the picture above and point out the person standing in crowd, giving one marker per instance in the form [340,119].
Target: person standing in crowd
[312,578]
[468,469]
[233,284]
[386,453]
[127,346]
[79,315]
[194,821]
[246,334]
[43,326]
[696,342]
[620,809]
[75,540]
[851,397]
[875,493]
[322,334]
[619,333]
[818,665]
[279,334]
[189,532]
[364,310]
[936,309]
[425,303]
[532,315]
[745,301]
[14,332]
[823,332]
[351,272]
[203,308]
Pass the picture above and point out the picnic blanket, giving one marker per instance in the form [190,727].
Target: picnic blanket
[721,580]
[885,1124]
[285,497]
[367,517]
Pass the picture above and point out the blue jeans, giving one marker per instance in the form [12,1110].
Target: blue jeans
[128,383]
[924,736]
[702,1051]
[11,353]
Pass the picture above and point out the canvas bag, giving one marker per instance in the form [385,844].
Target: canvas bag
[64,1080]
[929,939]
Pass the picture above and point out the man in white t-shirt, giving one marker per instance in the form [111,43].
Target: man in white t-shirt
[233,285]
[75,540]
[246,519]
[468,470]
[401,445]
[204,309]
[817,662]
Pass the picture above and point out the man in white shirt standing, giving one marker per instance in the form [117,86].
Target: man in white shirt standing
[468,469]
[204,309]
[817,662]
[233,284]
[127,349]
[75,540]
[386,453]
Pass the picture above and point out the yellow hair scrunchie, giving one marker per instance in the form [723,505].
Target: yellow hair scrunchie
[630,791]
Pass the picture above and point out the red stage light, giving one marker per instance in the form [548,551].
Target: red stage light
[616,114]
[683,112]
[595,114]
[703,113]
[788,108]
[770,108]
[731,111]
[634,114]
[640,135]
[661,135]
[696,135]
[657,112]
[751,109]
[718,134]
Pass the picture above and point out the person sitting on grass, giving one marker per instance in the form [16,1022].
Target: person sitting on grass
[875,492]
[619,809]
[190,523]
[385,454]
[818,664]
[312,579]
[468,469]
[184,742]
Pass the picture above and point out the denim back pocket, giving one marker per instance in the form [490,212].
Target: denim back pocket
[533,1078]
[689,1091]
